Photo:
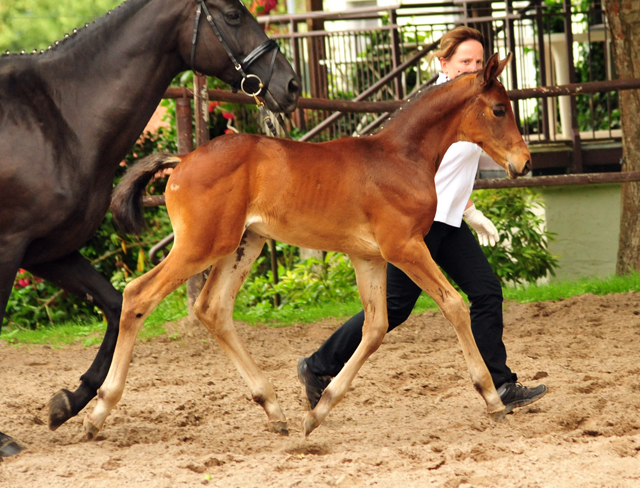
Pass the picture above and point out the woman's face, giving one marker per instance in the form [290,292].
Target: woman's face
[468,58]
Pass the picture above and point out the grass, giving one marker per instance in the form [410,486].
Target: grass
[174,307]
[88,333]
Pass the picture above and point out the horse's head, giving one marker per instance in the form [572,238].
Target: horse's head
[224,38]
[489,121]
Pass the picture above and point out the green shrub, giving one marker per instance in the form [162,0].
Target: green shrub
[303,283]
[521,255]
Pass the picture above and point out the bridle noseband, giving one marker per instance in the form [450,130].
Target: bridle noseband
[241,67]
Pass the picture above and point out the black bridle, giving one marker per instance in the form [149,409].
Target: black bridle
[241,67]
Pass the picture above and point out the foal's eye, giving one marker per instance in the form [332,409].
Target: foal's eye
[232,17]
[499,112]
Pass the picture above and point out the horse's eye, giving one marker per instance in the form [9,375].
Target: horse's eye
[499,112]
[233,17]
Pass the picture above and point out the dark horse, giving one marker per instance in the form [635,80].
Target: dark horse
[69,115]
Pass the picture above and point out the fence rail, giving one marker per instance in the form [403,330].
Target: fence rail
[341,55]
[356,106]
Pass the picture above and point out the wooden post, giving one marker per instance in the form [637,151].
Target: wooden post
[274,269]
[575,132]
[317,69]
[395,53]
[543,71]
[184,121]
[201,108]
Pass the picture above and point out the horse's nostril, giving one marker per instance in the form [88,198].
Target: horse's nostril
[294,87]
[527,166]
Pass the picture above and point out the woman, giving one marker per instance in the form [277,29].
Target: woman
[453,248]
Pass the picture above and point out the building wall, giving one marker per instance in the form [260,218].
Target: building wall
[587,222]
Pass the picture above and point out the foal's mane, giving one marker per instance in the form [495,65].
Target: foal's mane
[411,104]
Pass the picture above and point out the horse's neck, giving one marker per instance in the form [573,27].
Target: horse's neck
[428,126]
[110,76]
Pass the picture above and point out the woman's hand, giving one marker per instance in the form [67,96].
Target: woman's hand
[487,232]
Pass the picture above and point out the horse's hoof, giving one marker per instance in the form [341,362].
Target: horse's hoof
[279,427]
[59,409]
[499,415]
[8,446]
[309,424]
[90,429]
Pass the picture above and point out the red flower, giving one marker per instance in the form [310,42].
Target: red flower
[213,106]
[228,115]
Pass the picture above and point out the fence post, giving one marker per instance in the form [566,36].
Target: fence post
[201,109]
[575,131]
[184,121]
[395,52]
[543,71]
[511,41]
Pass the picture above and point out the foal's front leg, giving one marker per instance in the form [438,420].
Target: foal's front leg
[372,285]
[416,261]
[214,308]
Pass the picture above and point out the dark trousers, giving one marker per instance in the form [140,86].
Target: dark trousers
[458,253]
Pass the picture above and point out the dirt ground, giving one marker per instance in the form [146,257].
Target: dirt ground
[411,419]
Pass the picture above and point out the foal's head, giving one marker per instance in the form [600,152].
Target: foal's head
[489,121]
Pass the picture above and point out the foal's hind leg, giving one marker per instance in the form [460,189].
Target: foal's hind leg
[141,296]
[372,285]
[214,308]
[76,275]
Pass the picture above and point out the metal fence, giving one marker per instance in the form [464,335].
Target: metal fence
[349,55]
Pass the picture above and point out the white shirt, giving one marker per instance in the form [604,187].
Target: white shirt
[455,177]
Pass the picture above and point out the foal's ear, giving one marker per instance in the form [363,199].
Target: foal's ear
[495,67]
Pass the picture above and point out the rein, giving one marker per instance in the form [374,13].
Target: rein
[265,47]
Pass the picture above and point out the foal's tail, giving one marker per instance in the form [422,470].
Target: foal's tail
[126,202]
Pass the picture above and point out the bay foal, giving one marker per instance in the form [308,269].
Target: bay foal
[372,198]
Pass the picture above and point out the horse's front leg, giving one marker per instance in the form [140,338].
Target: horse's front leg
[76,275]
[214,308]
[415,260]
[371,276]
[11,254]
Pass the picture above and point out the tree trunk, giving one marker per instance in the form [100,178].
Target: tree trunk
[624,22]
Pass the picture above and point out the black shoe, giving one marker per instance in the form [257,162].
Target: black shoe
[515,395]
[312,384]
[8,446]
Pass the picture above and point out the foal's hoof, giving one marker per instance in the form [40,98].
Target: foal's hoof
[279,427]
[90,429]
[8,446]
[309,424]
[59,409]
[499,415]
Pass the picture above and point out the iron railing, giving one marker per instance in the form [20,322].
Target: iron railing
[358,49]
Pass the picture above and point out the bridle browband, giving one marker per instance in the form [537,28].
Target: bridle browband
[241,67]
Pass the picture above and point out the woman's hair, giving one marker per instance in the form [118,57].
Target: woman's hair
[452,39]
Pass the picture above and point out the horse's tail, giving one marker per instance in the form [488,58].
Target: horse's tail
[126,202]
